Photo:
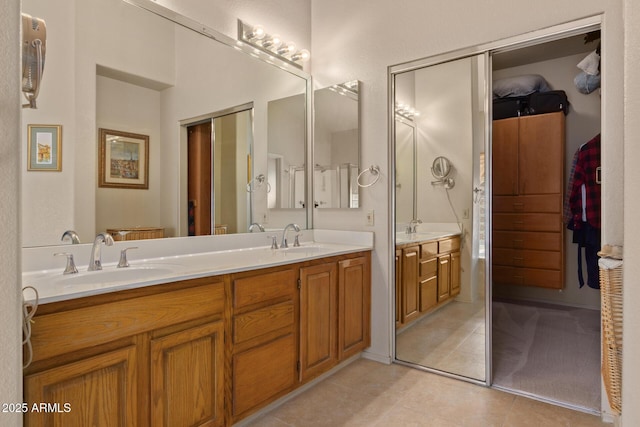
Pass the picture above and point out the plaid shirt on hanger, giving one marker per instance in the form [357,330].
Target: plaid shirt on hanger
[585,173]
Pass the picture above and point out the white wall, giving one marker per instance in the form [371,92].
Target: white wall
[10,165]
[129,108]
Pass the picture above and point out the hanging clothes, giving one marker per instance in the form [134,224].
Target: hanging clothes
[584,202]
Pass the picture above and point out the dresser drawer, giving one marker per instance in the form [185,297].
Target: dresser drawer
[259,322]
[263,287]
[542,241]
[449,245]
[551,260]
[527,222]
[508,276]
[429,268]
[532,204]
[428,249]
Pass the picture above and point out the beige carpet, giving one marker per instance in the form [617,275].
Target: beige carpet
[548,351]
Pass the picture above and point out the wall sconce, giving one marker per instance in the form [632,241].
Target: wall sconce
[273,45]
[406,111]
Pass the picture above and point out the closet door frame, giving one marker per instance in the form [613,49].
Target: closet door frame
[557,32]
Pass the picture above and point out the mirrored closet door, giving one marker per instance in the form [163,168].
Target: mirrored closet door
[439,129]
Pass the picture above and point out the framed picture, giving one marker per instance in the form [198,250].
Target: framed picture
[45,148]
[124,160]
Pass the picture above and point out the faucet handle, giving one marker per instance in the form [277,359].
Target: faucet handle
[274,241]
[71,265]
[123,257]
[296,242]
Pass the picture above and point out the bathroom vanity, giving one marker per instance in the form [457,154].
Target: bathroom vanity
[427,273]
[201,345]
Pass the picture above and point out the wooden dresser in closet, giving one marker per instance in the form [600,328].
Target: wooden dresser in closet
[528,183]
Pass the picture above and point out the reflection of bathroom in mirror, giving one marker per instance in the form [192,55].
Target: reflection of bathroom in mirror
[440,304]
[336,146]
[103,81]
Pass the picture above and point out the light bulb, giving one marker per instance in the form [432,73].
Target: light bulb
[272,42]
[257,33]
[301,55]
[286,49]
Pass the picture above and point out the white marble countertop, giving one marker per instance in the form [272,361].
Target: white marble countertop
[53,286]
[404,238]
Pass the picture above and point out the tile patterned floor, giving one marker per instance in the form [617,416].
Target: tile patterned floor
[372,394]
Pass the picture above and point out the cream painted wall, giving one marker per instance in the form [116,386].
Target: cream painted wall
[10,165]
[130,108]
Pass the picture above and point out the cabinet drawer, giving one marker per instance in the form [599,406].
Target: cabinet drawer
[428,249]
[527,222]
[264,287]
[527,240]
[429,268]
[528,258]
[551,203]
[449,245]
[259,322]
[503,275]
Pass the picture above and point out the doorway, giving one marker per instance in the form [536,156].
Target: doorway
[545,325]
[568,310]
[219,149]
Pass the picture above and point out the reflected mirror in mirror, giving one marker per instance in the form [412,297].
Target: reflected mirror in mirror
[440,303]
[99,79]
[336,146]
[441,167]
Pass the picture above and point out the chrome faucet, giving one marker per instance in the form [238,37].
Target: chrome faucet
[411,229]
[256,225]
[95,262]
[72,236]
[283,244]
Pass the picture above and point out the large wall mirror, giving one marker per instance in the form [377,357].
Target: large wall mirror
[439,139]
[215,118]
[336,146]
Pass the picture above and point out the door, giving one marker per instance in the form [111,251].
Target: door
[219,151]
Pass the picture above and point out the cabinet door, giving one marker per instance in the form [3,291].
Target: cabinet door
[187,377]
[444,277]
[99,390]
[410,284]
[455,273]
[354,306]
[541,154]
[261,373]
[318,319]
[505,156]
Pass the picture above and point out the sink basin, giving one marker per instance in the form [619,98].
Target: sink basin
[304,250]
[112,275]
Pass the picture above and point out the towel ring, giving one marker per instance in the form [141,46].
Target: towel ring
[257,183]
[374,170]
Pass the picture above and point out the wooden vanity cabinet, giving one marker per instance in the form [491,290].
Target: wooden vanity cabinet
[427,275]
[130,358]
[207,351]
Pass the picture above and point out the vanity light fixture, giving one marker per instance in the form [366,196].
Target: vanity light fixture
[348,89]
[255,36]
[406,111]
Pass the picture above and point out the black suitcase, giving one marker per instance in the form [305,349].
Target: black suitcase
[504,108]
[548,102]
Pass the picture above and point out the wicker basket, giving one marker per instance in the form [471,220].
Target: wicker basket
[611,302]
